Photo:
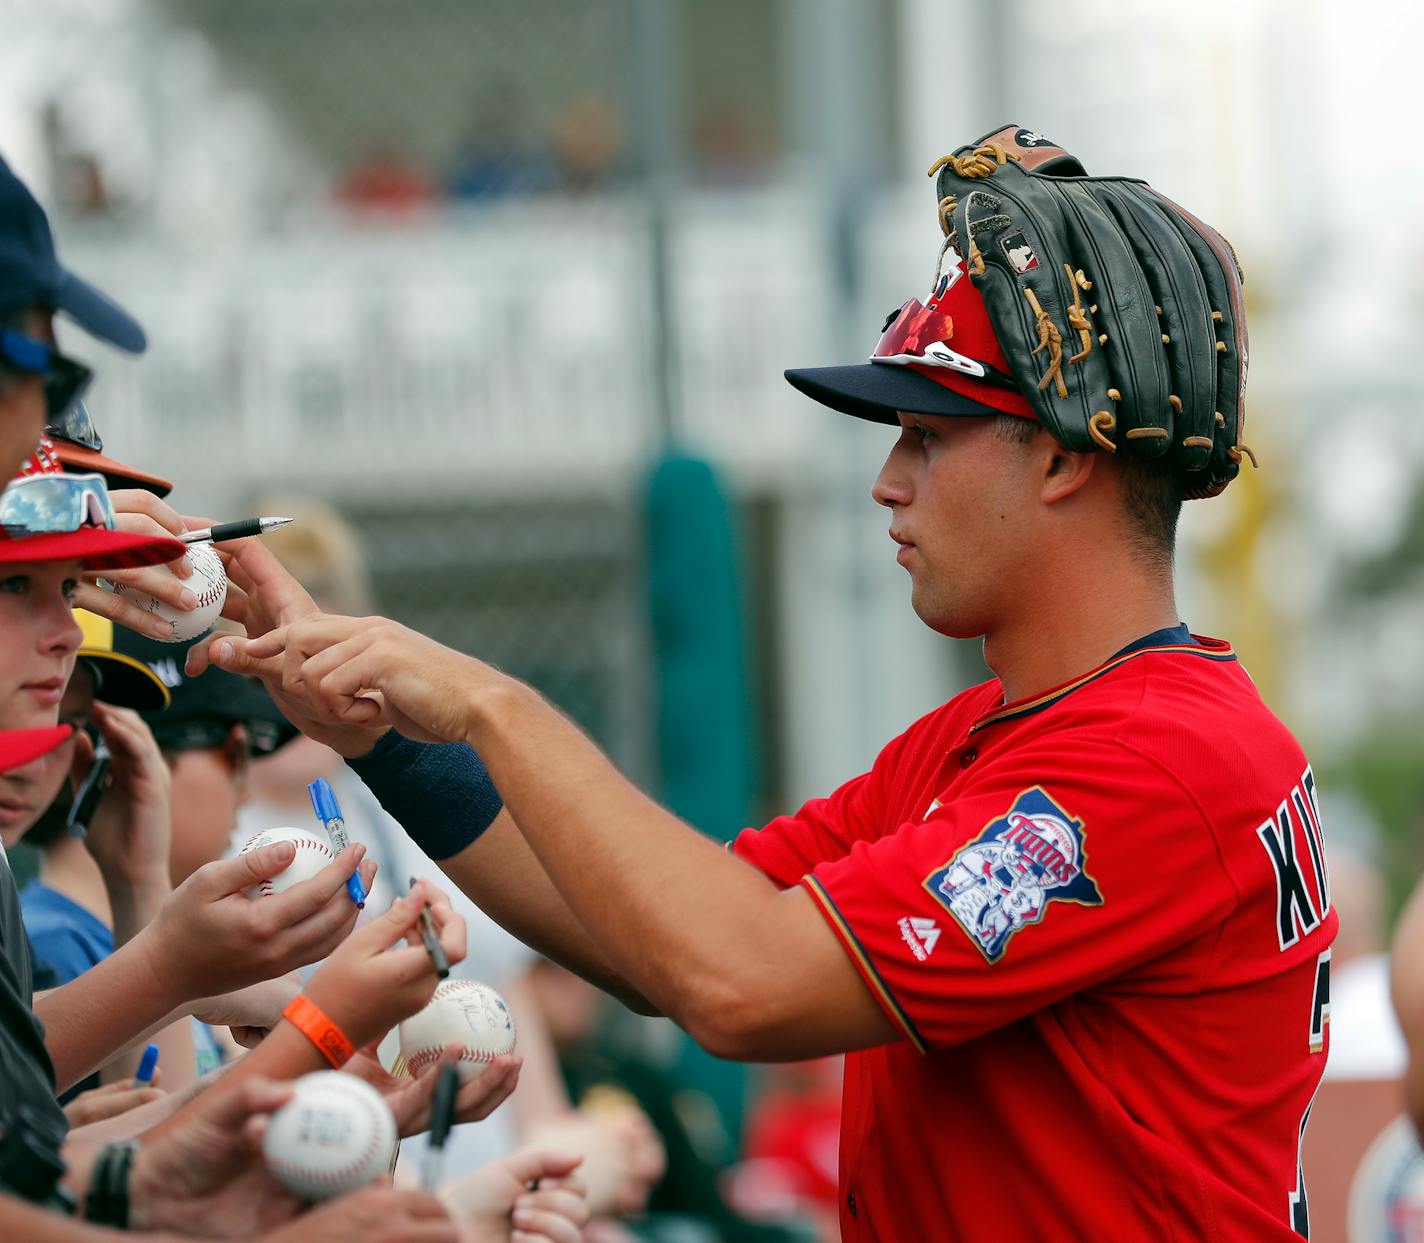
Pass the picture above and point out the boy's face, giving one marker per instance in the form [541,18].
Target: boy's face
[26,793]
[38,641]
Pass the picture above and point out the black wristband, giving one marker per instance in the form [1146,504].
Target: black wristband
[107,1202]
[441,794]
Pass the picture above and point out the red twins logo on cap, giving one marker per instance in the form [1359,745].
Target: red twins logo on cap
[950,340]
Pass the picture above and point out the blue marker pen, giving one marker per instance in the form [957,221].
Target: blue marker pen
[147,1064]
[328,811]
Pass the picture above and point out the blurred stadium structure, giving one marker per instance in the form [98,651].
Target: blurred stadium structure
[458,267]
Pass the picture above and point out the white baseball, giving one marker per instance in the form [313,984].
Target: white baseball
[209,584]
[461,1012]
[313,852]
[333,1136]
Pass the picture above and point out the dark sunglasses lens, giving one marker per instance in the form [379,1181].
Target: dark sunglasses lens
[64,384]
[75,425]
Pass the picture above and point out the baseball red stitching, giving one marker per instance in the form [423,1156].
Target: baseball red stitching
[301,843]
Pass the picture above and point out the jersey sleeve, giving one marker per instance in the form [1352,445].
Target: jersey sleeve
[826,828]
[1043,876]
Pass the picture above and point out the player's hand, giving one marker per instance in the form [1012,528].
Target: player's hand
[374,1215]
[496,1201]
[202,1172]
[251,1012]
[262,596]
[140,512]
[367,671]
[410,1096]
[208,935]
[130,831]
[111,1100]
[366,987]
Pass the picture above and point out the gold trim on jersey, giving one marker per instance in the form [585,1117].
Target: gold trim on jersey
[879,989]
[1010,711]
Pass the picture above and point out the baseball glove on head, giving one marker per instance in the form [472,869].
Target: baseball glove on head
[1120,313]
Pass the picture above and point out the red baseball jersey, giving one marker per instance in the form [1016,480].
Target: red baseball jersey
[1101,921]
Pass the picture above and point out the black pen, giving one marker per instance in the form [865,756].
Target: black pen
[241,529]
[432,942]
[442,1118]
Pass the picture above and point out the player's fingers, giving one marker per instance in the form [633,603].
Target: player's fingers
[239,655]
[100,600]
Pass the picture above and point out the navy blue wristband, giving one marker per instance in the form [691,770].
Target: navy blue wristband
[441,794]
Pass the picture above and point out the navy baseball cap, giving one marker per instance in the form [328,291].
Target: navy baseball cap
[30,274]
[204,708]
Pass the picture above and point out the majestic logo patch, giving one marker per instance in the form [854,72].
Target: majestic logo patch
[921,934]
[1019,253]
[1006,877]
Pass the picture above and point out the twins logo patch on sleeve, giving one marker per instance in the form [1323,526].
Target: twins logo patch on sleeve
[1006,878]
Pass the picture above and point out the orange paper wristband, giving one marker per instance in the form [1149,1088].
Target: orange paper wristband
[309,1019]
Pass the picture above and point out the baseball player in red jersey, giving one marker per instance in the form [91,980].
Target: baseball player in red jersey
[1072,928]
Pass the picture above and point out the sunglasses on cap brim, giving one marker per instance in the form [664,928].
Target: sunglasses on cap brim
[917,335]
[55,504]
[65,381]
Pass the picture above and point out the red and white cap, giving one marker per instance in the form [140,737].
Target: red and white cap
[939,357]
[97,547]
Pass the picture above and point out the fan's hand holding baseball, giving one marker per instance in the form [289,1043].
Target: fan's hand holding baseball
[497,1203]
[209,935]
[366,987]
[411,1096]
[367,671]
[202,1171]
[139,511]
[129,833]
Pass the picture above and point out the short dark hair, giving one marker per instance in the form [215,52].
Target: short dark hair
[1152,492]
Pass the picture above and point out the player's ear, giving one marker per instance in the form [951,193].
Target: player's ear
[1064,472]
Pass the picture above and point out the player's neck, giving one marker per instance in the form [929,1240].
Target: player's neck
[71,870]
[1076,628]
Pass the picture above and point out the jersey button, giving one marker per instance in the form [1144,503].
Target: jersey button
[850,1203]
[967,757]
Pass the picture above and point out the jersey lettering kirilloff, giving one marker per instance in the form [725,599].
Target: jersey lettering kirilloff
[1101,921]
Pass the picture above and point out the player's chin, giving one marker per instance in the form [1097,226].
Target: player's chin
[946,616]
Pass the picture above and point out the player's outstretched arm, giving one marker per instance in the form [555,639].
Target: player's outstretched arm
[208,935]
[498,871]
[752,972]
